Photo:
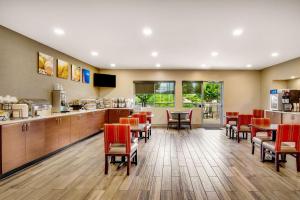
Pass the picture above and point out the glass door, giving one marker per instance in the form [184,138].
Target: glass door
[212,106]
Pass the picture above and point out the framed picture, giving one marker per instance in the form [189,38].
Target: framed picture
[76,73]
[62,69]
[86,76]
[45,65]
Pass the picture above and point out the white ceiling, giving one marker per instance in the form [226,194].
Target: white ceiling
[185,32]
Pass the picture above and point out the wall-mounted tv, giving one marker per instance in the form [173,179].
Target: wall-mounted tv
[104,80]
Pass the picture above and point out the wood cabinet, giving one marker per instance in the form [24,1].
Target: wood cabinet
[22,143]
[275,117]
[57,133]
[290,118]
[27,141]
[115,114]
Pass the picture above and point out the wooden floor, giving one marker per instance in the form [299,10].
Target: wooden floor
[197,164]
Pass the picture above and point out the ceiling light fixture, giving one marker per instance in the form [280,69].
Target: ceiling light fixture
[275,54]
[94,53]
[59,31]
[147,31]
[113,65]
[249,65]
[293,77]
[214,53]
[154,54]
[157,65]
[203,65]
[237,32]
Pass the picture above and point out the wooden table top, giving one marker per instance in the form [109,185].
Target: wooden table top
[271,127]
[179,112]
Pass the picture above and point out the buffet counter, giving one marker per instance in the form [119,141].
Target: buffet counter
[281,117]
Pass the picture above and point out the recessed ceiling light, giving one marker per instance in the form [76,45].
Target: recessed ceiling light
[147,31]
[275,54]
[59,31]
[249,65]
[157,65]
[203,65]
[113,65]
[237,32]
[94,53]
[214,53]
[293,77]
[154,54]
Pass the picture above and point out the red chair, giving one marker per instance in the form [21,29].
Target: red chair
[285,135]
[188,120]
[230,122]
[259,139]
[148,113]
[117,142]
[131,121]
[242,126]
[258,113]
[143,120]
[170,120]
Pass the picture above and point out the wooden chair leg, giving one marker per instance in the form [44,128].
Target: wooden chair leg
[146,136]
[106,164]
[136,158]
[277,161]
[298,162]
[262,154]
[253,148]
[226,131]
[238,137]
[128,165]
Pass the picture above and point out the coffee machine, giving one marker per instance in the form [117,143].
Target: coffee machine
[286,102]
[59,101]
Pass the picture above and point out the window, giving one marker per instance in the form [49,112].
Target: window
[155,93]
[191,93]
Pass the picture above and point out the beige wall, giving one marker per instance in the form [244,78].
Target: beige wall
[18,70]
[294,84]
[281,71]
[241,88]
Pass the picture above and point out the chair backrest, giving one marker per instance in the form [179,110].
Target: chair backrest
[231,114]
[288,133]
[117,133]
[142,117]
[190,114]
[261,122]
[258,113]
[168,115]
[132,121]
[244,119]
[147,113]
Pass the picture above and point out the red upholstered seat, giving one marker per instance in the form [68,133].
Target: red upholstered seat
[258,113]
[229,122]
[132,121]
[143,120]
[264,136]
[286,134]
[188,120]
[117,142]
[244,121]
[170,120]
[148,113]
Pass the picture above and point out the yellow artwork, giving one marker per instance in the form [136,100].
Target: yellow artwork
[62,69]
[76,73]
[45,64]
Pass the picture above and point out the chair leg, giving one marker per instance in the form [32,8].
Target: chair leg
[253,148]
[128,164]
[136,158]
[106,164]
[263,154]
[190,126]
[298,162]
[146,136]
[226,131]
[277,161]
[238,136]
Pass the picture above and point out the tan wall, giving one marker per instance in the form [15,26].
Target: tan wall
[294,84]
[18,69]
[281,71]
[241,88]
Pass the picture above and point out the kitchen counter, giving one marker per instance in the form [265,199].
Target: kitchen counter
[12,121]
[279,111]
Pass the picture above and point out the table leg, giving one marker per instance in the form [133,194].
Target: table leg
[273,135]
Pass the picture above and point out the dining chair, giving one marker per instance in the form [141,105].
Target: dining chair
[187,120]
[287,142]
[132,121]
[263,136]
[258,113]
[171,120]
[230,123]
[143,120]
[148,113]
[117,142]
[244,120]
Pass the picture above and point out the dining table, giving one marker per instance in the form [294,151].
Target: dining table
[179,115]
[272,127]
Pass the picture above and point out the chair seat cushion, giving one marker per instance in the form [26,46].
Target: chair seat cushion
[121,148]
[284,147]
[173,120]
[234,128]
[232,122]
[245,128]
[260,139]
[185,121]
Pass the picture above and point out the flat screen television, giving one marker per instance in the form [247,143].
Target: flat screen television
[104,80]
